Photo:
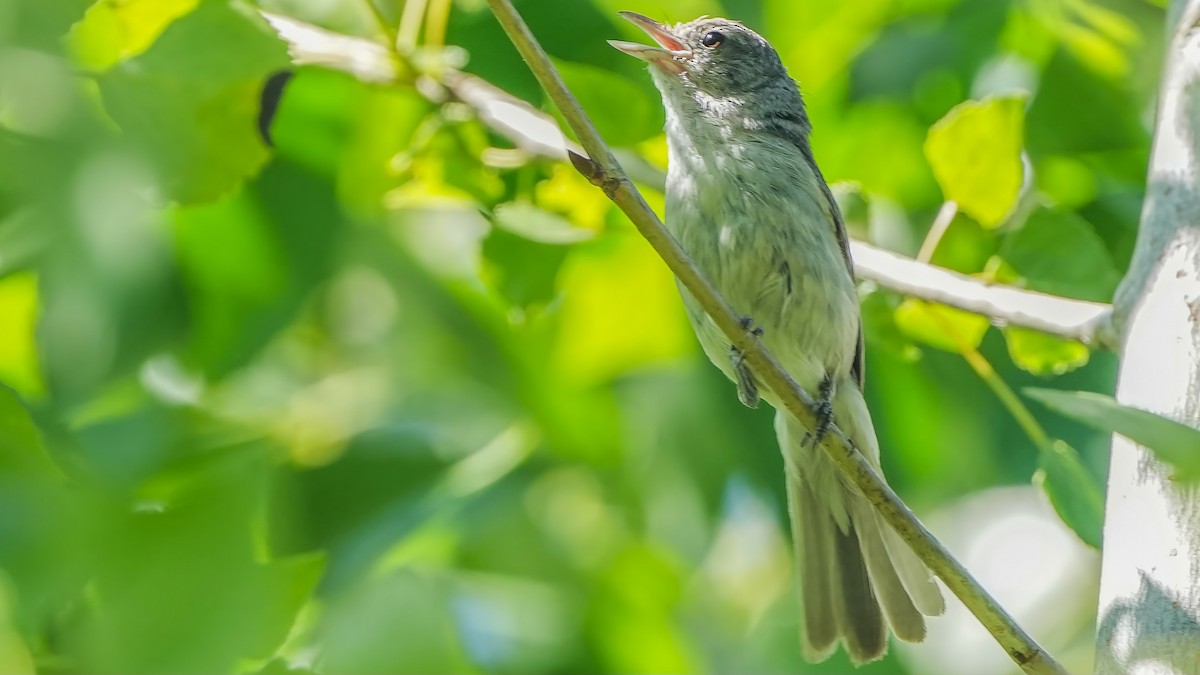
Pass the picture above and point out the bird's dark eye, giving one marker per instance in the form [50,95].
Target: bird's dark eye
[712,39]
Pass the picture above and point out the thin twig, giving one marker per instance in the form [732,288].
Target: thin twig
[603,170]
[937,230]
[537,134]
[410,24]
[380,20]
[436,19]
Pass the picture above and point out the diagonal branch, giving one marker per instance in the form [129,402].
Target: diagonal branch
[538,135]
[604,171]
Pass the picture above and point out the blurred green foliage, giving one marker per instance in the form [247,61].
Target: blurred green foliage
[373,400]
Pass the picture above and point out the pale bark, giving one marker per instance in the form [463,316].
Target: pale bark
[1149,613]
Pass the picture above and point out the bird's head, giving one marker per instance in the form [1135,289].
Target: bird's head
[718,57]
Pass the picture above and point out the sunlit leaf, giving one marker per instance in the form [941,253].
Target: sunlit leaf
[386,122]
[1044,354]
[1075,493]
[1174,442]
[535,224]
[939,326]
[193,109]
[975,152]
[621,311]
[623,112]
[113,30]
[19,364]
[639,634]
[570,194]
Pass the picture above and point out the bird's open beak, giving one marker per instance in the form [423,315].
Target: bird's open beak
[663,56]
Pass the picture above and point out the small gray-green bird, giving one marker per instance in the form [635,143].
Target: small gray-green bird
[746,200]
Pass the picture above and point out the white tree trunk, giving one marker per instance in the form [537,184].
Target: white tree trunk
[1149,614]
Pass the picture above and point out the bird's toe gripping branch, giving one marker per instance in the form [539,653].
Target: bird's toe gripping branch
[824,411]
[747,386]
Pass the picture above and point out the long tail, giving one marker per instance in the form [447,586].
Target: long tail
[857,577]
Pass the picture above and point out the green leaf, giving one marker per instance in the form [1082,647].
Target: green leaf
[20,366]
[249,262]
[113,30]
[400,623]
[1069,84]
[1058,252]
[879,324]
[945,328]
[21,448]
[535,224]
[623,112]
[522,270]
[286,585]
[1073,491]
[192,109]
[1044,354]
[1175,443]
[975,152]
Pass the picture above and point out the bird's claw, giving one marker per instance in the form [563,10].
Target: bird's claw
[824,412]
[747,324]
[747,387]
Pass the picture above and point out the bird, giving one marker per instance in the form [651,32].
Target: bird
[747,202]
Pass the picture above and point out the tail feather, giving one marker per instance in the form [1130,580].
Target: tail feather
[913,573]
[811,541]
[906,621]
[858,579]
[860,620]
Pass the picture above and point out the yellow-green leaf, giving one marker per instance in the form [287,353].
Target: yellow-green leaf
[193,109]
[939,326]
[114,30]
[19,364]
[975,152]
[1043,354]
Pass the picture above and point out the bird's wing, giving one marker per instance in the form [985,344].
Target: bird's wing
[792,125]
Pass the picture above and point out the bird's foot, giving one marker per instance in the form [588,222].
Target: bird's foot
[747,387]
[824,411]
[747,324]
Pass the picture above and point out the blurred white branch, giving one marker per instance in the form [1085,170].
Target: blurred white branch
[1088,322]
[538,134]
[311,45]
[1149,614]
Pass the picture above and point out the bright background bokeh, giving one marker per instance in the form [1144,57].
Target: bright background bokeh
[390,396]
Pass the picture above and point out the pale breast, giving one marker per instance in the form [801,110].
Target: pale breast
[751,214]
